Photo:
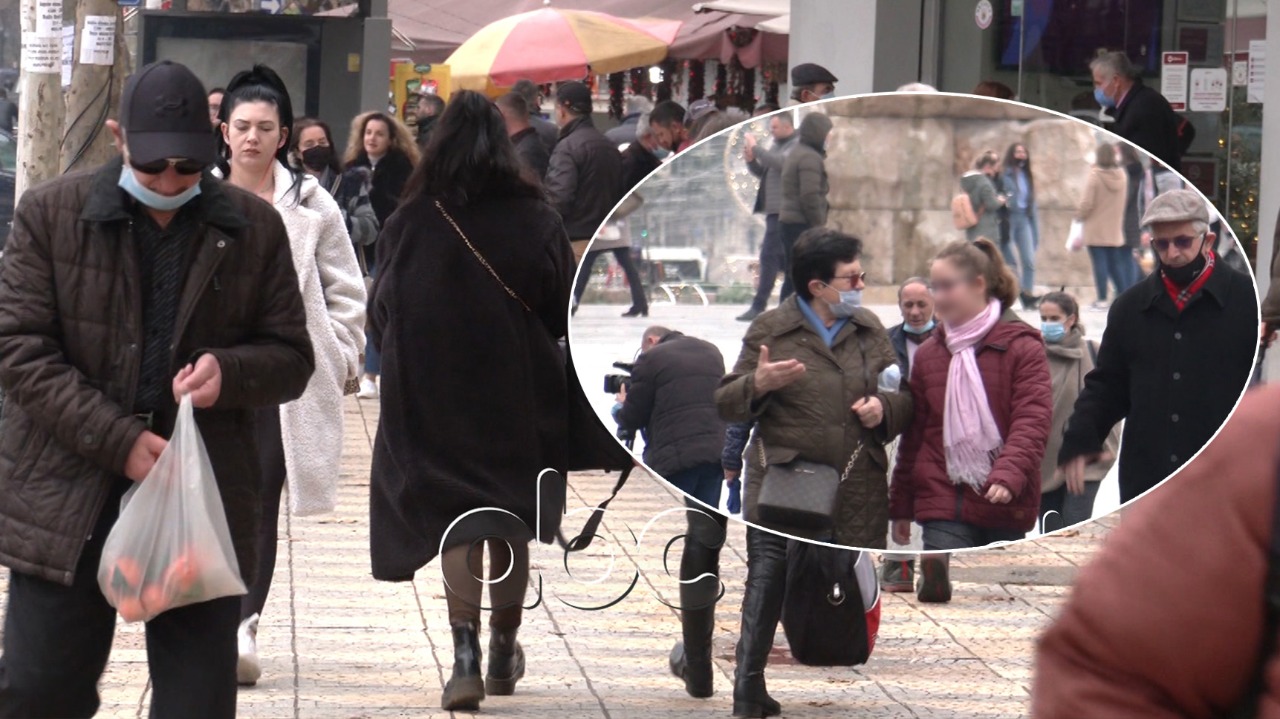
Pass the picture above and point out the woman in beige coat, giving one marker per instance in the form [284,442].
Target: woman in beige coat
[1102,213]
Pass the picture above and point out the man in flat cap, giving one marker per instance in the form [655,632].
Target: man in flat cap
[810,82]
[1176,355]
[584,179]
[123,289]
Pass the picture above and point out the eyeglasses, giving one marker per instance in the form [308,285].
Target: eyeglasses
[181,165]
[1182,242]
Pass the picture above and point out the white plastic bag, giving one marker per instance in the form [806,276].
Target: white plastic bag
[170,546]
[1075,236]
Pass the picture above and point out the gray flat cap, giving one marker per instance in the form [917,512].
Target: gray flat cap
[1177,206]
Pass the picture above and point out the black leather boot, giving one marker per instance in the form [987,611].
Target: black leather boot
[690,660]
[465,689]
[506,663]
[935,579]
[761,612]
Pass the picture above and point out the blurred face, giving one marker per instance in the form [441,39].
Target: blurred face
[916,305]
[312,137]
[424,110]
[958,296]
[848,276]
[669,136]
[1051,312]
[377,138]
[780,129]
[1178,244]
[215,107]
[1020,153]
[253,133]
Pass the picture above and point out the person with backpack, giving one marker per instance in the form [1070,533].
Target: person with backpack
[1176,614]
[976,209]
[1071,357]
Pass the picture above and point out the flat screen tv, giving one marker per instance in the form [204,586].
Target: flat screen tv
[1062,36]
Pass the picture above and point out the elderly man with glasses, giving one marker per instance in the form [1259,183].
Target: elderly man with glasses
[1177,353]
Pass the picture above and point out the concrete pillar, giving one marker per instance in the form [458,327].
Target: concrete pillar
[1269,196]
[375,66]
[871,45]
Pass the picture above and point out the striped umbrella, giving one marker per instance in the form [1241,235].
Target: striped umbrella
[551,44]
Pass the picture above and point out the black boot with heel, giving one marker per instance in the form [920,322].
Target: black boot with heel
[465,689]
[506,663]
[761,612]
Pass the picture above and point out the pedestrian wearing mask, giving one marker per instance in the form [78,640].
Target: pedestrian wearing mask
[804,189]
[915,301]
[811,82]
[122,290]
[299,442]
[471,418]
[968,468]
[311,145]
[808,375]
[1071,357]
[1018,186]
[1177,353]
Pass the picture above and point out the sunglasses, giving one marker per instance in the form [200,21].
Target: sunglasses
[1182,242]
[853,279]
[180,165]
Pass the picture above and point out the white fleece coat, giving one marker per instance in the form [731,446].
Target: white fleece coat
[334,296]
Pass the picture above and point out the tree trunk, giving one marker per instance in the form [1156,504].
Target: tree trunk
[40,114]
[94,95]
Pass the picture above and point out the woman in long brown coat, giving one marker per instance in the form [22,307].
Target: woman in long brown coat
[1102,213]
[467,312]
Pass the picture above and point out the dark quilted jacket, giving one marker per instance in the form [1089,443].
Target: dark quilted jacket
[70,346]
[1015,372]
[812,419]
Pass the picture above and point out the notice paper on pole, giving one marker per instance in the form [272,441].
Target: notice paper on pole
[1208,89]
[1257,69]
[1173,78]
[98,40]
[49,18]
[42,54]
[68,53]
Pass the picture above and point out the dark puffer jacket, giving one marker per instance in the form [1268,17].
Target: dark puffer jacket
[70,347]
[1015,373]
[584,179]
[672,396]
[804,175]
[812,419]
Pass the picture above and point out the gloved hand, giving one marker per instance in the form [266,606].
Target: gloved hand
[734,503]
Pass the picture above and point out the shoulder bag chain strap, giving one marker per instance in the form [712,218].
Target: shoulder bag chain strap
[480,257]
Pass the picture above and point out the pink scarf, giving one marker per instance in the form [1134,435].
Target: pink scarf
[969,433]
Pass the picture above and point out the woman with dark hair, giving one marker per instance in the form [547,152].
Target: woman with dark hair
[1018,186]
[969,467]
[1064,502]
[299,442]
[476,405]
[384,146]
[1102,212]
[311,147]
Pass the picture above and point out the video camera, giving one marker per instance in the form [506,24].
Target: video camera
[614,383]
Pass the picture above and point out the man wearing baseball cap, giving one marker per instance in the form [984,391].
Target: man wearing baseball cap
[810,82]
[584,178]
[1175,357]
[121,290]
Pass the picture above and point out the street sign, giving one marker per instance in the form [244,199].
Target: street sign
[1015,8]
[1173,78]
[983,14]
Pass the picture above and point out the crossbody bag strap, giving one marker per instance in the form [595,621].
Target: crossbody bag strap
[481,259]
[1248,706]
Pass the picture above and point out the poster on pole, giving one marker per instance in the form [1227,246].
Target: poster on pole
[68,53]
[1173,78]
[1208,89]
[1257,70]
[42,54]
[98,40]
[49,18]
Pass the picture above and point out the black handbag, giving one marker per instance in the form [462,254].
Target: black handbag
[828,618]
[800,494]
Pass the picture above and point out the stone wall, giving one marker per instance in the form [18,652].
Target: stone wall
[894,163]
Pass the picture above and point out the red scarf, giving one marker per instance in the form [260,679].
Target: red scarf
[1182,295]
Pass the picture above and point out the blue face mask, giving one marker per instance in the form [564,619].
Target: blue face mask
[1053,331]
[829,95]
[913,331]
[1102,98]
[850,300]
[662,153]
[156,201]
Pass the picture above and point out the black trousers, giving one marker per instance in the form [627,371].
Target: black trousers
[773,259]
[790,233]
[628,264]
[57,640]
[271,461]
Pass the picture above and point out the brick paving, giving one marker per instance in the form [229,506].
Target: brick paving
[336,644]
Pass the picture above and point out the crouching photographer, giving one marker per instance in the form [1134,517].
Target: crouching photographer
[671,399]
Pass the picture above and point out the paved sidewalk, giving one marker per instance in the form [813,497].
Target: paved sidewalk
[337,644]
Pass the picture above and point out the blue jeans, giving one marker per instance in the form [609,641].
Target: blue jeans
[1022,235]
[1111,263]
[702,482]
[947,535]
[372,357]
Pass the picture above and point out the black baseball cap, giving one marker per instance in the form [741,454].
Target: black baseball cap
[165,113]
[576,95]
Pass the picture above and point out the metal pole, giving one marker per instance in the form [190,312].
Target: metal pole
[1022,40]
